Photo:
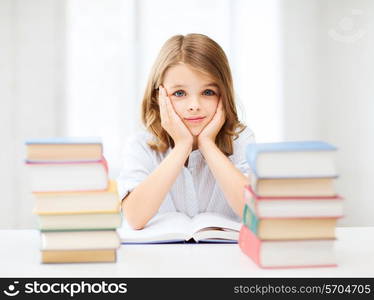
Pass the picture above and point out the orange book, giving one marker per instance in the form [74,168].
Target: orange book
[295,187]
[78,256]
[64,149]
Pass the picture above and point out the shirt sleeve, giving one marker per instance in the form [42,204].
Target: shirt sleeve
[137,164]
[240,144]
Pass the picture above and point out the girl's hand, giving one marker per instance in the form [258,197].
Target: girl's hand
[171,122]
[211,130]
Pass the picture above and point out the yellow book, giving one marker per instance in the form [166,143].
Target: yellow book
[281,187]
[62,203]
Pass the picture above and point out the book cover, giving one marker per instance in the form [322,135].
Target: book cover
[296,187]
[68,176]
[287,254]
[64,149]
[79,240]
[289,228]
[64,140]
[101,161]
[292,159]
[82,221]
[293,207]
[78,256]
[49,203]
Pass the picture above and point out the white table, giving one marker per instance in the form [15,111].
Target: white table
[20,257]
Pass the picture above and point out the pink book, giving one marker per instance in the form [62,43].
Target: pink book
[287,254]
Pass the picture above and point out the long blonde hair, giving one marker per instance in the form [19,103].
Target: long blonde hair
[203,54]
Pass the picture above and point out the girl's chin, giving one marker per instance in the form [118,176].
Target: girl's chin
[196,131]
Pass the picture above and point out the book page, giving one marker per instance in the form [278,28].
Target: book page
[211,220]
[163,228]
[216,235]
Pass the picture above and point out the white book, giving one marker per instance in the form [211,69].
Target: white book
[80,240]
[293,207]
[177,227]
[80,221]
[71,176]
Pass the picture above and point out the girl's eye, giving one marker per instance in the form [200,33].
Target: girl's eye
[179,93]
[182,93]
[209,93]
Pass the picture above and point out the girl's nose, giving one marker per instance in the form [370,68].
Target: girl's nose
[194,104]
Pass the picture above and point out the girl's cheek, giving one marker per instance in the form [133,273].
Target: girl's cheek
[177,107]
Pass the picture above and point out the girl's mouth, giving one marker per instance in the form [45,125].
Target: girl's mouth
[195,120]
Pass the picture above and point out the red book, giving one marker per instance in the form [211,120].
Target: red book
[287,254]
[293,207]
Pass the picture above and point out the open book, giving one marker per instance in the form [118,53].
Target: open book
[173,227]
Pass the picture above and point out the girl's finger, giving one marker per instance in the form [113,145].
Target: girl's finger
[219,115]
[222,111]
[168,106]
[161,103]
[220,104]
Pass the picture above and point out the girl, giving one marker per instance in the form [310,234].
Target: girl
[191,156]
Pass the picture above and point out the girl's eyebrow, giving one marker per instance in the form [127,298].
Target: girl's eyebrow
[177,86]
[206,85]
[212,84]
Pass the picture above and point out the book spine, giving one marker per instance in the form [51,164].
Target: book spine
[77,228]
[252,194]
[251,157]
[76,212]
[105,164]
[250,244]
[250,220]
[249,199]
[56,162]
[85,193]
[74,256]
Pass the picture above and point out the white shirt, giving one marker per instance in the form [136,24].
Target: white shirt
[195,190]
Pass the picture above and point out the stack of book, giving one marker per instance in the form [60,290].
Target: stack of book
[77,206]
[291,207]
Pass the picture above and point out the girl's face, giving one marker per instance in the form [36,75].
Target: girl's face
[194,96]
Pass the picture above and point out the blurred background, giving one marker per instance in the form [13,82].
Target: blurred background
[303,69]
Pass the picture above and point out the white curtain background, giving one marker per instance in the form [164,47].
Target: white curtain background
[302,70]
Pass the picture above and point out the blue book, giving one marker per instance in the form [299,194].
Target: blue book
[64,140]
[302,159]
